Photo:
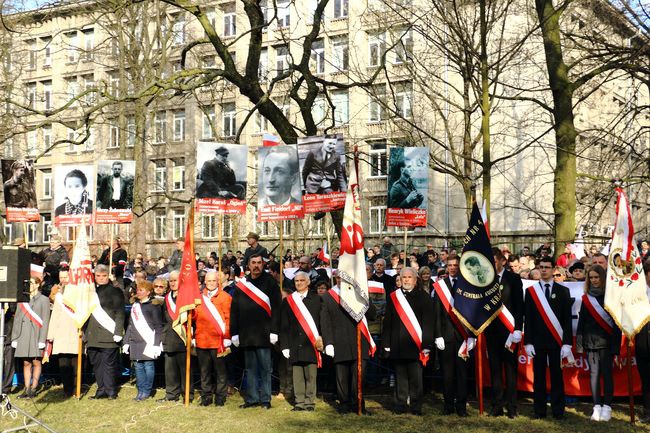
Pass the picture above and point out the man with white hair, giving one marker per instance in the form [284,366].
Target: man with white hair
[407,339]
[381,277]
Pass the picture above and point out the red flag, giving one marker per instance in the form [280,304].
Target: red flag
[189,295]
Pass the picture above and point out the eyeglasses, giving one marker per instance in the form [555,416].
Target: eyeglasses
[557,275]
[159,287]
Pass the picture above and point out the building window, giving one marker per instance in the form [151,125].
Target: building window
[9,232]
[403,97]
[47,227]
[89,85]
[90,139]
[261,123]
[377,111]
[281,59]
[71,54]
[31,233]
[404,47]
[378,159]
[160,127]
[227,227]
[72,88]
[376,215]
[31,46]
[229,24]
[114,134]
[263,68]
[47,95]
[318,227]
[160,176]
[287,227]
[179,125]
[31,95]
[178,175]
[47,183]
[229,119]
[208,122]
[319,110]
[131,131]
[32,143]
[178,30]
[89,44]
[340,8]
[160,225]
[209,226]
[318,56]
[178,223]
[47,52]
[377,47]
[341,102]
[284,14]
[340,53]
[47,136]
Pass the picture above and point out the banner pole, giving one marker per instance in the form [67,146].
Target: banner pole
[220,240]
[281,248]
[110,253]
[359,372]
[479,360]
[79,358]
[25,235]
[405,239]
[188,358]
[630,343]
[329,249]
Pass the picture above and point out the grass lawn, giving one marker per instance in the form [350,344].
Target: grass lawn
[126,415]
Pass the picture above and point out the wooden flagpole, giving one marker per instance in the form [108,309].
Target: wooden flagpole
[281,249]
[220,240]
[188,357]
[25,235]
[329,249]
[479,360]
[110,252]
[359,371]
[405,250]
[79,360]
[630,392]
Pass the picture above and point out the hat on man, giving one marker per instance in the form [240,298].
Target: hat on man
[221,151]
[576,265]
[253,235]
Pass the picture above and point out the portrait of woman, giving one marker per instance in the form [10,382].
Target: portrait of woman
[77,198]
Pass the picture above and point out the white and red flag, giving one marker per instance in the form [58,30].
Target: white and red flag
[626,299]
[484,217]
[270,140]
[324,254]
[79,295]
[352,260]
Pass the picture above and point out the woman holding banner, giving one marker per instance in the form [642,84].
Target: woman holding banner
[29,333]
[600,339]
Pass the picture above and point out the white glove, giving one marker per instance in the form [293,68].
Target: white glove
[14,344]
[426,352]
[440,343]
[565,351]
[516,336]
[125,349]
[193,342]
[387,349]
[157,351]
[273,338]
[235,340]
[227,342]
[285,353]
[162,348]
[530,350]
[117,338]
[329,350]
[471,343]
[41,346]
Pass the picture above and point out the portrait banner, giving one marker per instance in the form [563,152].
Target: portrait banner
[221,178]
[278,184]
[322,168]
[73,185]
[408,187]
[114,200]
[20,190]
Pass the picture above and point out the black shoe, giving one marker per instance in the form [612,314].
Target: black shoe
[220,402]
[496,411]
[265,405]
[113,397]
[165,399]
[399,411]
[559,416]
[512,413]
[26,394]
[98,397]
[310,409]
[343,409]
[539,416]
[207,401]
[447,411]
[247,405]
[462,413]
[297,409]
[416,412]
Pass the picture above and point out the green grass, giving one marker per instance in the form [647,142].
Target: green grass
[126,415]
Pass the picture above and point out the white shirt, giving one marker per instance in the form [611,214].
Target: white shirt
[117,182]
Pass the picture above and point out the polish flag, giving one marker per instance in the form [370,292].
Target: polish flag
[269,140]
[324,254]
[484,217]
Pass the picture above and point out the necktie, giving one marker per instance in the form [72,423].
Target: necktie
[453,282]
[547,292]
[499,279]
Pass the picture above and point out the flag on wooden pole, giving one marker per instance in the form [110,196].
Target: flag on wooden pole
[324,254]
[189,295]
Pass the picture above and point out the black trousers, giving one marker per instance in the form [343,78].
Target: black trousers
[542,359]
[285,370]
[408,384]
[175,364]
[347,381]
[9,369]
[68,371]
[104,362]
[213,375]
[454,377]
[643,365]
[503,362]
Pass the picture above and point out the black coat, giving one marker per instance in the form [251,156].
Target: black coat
[443,325]
[293,337]
[512,295]
[250,321]
[340,330]
[9,322]
[394,334]
[111,300]
[387,280]
[153,317]
[591,336]
[537,333]
[172,342]
[248,252]
[642,342]
[119,255]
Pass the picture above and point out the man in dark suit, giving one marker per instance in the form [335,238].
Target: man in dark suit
[541,345]
[401,348]
[323,172]
[448,340]
[501,358]
[301,352]
[115,191]
[217,179]
[381,277]
[642,346]
[254,331]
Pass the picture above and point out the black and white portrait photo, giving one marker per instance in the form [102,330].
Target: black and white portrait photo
[221,170]
[278,176]
[73,189]
[19,185]
[322,164]
[115,180]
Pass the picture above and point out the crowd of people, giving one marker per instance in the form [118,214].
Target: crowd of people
[258,320]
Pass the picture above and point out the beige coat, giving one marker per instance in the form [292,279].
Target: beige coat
[62,331]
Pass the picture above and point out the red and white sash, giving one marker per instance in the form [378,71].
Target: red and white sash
[213,314]
[145,331]
[544,308]
[508,320]
[31,314]
[442,291]
[306,321]
[171,306]
[363,324]
[376,287]
[407,316]
[598,313]
[58,298]
[258,296]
